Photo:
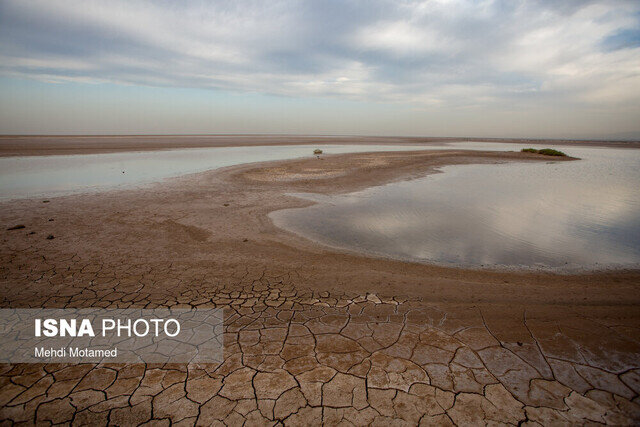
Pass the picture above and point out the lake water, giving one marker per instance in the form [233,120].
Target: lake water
[561,216]
[49,176]
[565,215]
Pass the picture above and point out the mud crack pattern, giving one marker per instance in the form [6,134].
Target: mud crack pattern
[297,357]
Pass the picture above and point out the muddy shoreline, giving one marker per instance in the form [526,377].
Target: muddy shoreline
[172,221]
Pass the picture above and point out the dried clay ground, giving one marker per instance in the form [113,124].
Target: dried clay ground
[312,334]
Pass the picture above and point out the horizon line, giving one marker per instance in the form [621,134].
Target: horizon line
[469,138]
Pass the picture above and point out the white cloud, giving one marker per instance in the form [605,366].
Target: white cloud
[425,53]
[402,38]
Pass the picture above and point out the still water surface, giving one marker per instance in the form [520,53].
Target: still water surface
[562,216]
[48,176]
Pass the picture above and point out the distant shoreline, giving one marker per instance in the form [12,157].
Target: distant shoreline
[42,145]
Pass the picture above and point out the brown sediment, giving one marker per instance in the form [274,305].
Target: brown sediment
[312,334]
[38,145]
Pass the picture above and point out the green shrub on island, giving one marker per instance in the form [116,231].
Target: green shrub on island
[544,151]
[317,151]
[551,152]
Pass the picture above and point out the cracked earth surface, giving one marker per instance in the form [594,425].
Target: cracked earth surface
[311,336]
[303,357]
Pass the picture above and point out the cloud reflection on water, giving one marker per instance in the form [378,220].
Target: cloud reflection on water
[583,214]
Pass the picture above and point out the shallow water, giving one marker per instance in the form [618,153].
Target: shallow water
[565,215]
[48,176]
[568,215]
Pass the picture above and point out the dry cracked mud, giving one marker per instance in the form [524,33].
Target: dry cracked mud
[302,358]
[311,335]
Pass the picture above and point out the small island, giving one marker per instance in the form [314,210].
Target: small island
[544,151]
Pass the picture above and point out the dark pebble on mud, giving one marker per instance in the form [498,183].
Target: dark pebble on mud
[16,227]
[50,219]
[50,237]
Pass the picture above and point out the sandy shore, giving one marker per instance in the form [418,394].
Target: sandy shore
[51,144]
[312,334]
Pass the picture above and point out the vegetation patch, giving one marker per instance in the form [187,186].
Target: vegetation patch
[317,151]
[544,151]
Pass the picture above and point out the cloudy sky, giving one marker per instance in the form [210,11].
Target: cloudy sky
[436,67]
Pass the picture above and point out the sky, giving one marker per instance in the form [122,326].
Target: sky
[512,68]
